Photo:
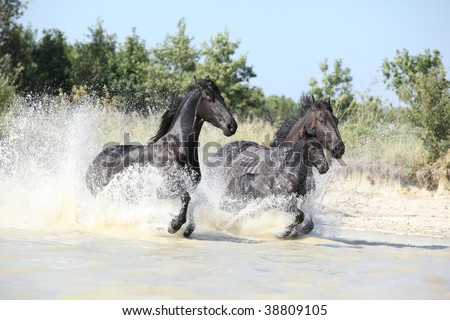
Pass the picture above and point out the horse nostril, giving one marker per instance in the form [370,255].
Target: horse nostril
[338,150]
[230,127]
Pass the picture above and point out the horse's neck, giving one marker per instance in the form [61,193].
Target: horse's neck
[298,170]
[293,134]
[185,129]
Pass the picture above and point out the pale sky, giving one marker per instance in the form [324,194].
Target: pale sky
[285,41]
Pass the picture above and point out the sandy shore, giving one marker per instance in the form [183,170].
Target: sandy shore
[366,204]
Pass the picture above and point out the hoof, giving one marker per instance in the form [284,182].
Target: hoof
[288,231]
[171,230]
[285,233]
[189,229]
[187,233]
[308,226]
[174,226]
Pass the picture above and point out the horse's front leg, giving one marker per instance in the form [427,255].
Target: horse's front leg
[191,222]
[299,216]
[310,182]
[179,220]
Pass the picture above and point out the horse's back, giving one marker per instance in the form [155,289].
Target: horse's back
[232,150]
[109,162]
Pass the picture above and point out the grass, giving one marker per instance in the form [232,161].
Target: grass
[381,144]
[390,150]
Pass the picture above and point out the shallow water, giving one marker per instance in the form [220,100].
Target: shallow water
[58,242]
[36,265]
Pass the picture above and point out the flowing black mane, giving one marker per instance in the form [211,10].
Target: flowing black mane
[307,102]
[168,115]
[166,120]
[205,84]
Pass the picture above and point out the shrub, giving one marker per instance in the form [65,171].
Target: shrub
[430,111]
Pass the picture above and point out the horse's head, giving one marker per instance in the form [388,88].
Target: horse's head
[325,128]
[313,151]
[316,119]
[308,152]
[212,107]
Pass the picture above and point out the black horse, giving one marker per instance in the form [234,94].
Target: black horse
[277,175]
[314,119]
[173,149]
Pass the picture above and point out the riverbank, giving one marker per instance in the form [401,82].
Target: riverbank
[362,201]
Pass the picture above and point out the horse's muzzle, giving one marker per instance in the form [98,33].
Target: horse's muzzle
[323,168]
[338,151]
[230,129]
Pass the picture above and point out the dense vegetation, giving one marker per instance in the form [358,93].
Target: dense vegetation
[130,77]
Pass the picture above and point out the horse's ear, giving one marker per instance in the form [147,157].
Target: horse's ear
[327,100]
[195,78]
[207,78]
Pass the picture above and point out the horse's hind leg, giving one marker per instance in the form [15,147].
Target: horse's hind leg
[179,220]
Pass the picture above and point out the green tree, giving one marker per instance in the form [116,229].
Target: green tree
[10,12]
[52,62]
[420,81]
[279,108]
[171,68]
[21,45]
[336,85]
[174,62]
[232,75]
[93,61]
[430,111]
[18,43]
[402,72]
[6,88]
[131,74]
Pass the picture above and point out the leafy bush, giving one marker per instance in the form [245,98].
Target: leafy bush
[337,86]
[430,112]
[420,81]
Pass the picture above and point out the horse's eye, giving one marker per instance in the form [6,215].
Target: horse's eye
[322,122]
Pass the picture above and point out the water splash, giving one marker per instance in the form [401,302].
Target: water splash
[45,149]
